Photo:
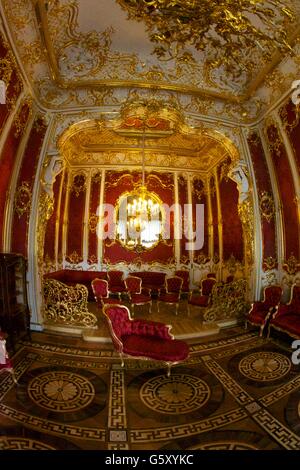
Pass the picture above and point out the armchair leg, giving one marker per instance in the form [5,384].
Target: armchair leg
[246,325]
[188,309]
[13,376]
[132,309]
[169,365]
[176,311]
[122,359]
[261,329]
[150,307]
[158,306]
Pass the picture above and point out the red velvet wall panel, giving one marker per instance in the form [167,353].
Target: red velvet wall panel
[214,209]
[76,212]
[50,235]
[25,185]
[200,197]
[290,117]
[117,183]
[7,160]
[64,183]
[12,80]
[233,243]
[93,218]
[264,186]
[183,200]
[287,192]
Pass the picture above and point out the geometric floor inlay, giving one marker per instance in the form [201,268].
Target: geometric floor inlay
[179,393]
[265,366]
[187,392]
[19,443]
[61,393]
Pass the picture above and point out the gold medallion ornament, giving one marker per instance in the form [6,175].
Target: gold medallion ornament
[267,206]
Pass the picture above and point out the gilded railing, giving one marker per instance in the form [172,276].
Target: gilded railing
[67,305]
[228,302]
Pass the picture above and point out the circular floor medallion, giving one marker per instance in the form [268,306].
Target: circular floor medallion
[177,394]
[61,391]
[265,366]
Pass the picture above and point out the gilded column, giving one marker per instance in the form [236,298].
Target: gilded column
[190,216]
[177,221]
[85,248]
[100,223]
[220,221]
[210,221]
[58,218]
[66,215]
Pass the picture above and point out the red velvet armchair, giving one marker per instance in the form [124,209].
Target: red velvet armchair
[211,276]
[261,311]
[137,295]
[185,275]
[143,339]
[101,292]
[5,362]
[287,317]
[202,299]
[116,282]
[172,292]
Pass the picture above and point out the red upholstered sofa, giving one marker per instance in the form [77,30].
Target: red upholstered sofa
[152,280]
[73,277]
[143,339]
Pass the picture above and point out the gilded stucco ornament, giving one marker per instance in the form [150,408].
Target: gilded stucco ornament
[228,302]
[70,65]
[267,206]
[23,199]
[52,167]
[239,174]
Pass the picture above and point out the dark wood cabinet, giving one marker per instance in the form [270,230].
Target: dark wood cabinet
[14,312]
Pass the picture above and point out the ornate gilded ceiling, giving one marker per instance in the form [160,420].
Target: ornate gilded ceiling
[101,143]
[81,53]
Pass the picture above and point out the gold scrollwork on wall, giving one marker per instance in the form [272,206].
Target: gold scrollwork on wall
[273,137]
[246,215]
[288,123]
[74,258]
[78,184]
[167,185]
[269,263]
[21,119]
[93,222]
[201,259]
[267,206]
[292,265]
[115,183]
[23,199]
[46,208]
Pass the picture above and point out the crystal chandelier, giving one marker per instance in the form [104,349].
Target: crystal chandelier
[223,28]
[143,216]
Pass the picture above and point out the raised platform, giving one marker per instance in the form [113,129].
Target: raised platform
[183,327]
